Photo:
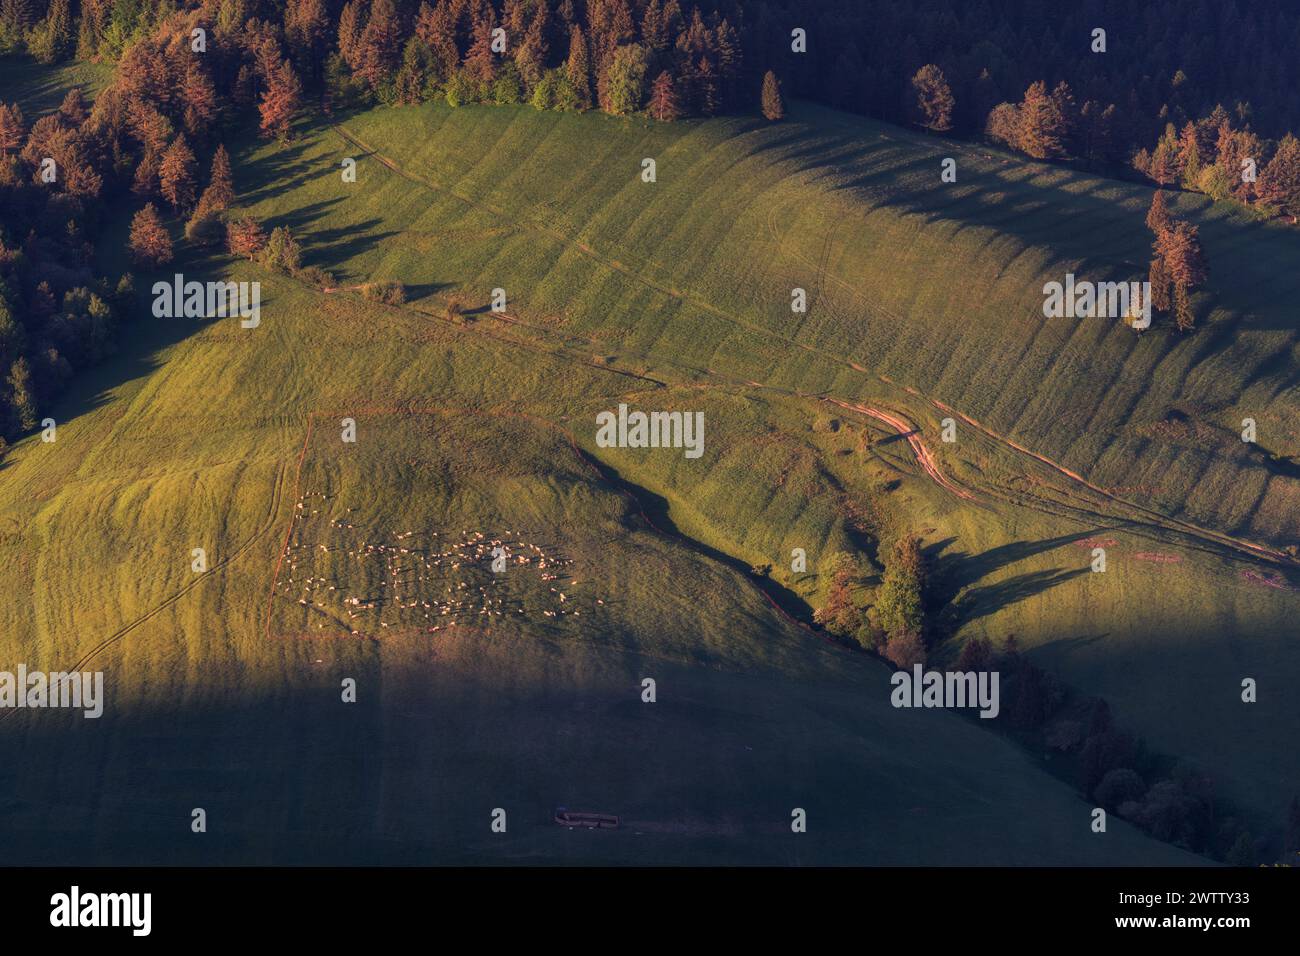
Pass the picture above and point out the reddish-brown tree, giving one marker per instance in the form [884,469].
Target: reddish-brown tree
[199,97]
[1180,247]
[245,238]
[1158,214]
[1041,127]
[773,104]
[220,192]
[150,245]
[578,67]
[379,45]
[280,101]
[176,175]
[664,105]
[1279,181]
[351,26]
[12,129]
[73,108]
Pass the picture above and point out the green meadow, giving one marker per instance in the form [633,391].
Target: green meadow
[224,686]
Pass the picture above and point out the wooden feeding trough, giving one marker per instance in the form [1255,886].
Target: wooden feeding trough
[586,819]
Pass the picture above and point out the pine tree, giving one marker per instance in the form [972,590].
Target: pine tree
[149,245]
[1180,247]
[480,61]
[1161,297]
[530,57]
[1183,315]
[73,108]
[1066,108]
[654,31]
[773,105]
[280,101]
[1040,125]
[22,401]
[1279,181]
[578,67]
[220,192]
[351,27]
[934,102]
[12,129]
[664,105]
[1158,214]
[305,26]
[379,45]
[176,175]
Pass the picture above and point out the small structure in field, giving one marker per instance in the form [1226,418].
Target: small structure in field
[585,819]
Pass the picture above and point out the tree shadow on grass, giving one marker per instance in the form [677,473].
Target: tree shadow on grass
[983,601]
[959,570]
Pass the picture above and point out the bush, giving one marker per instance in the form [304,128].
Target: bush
[282,251]
[456,310]
[317,276]
[1118,787]
[389,293]
[905,650]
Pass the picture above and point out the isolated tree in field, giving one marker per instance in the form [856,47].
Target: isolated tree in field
[245,238]
[12,129]
[220,192]
[578,66]
[176,175]
[1279,182]
[664,105]
[1179,249]
[280,101]
[773,104]
[934,103]
[149,245]
[1041,127]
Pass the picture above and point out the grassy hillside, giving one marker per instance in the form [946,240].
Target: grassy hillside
[935,285]
[687,280]
[672,295]
[220,700]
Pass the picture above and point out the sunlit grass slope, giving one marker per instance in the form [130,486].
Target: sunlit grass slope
[689,279]
[222,698]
